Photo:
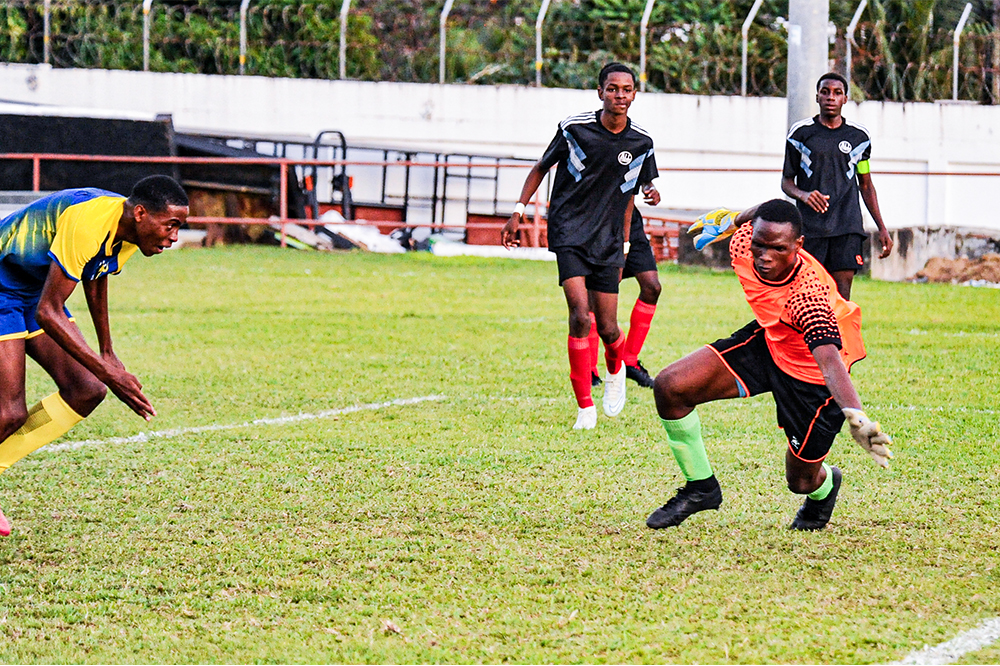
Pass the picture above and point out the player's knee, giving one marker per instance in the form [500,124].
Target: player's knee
[668,392]
[608,331]
[11,421]
[85,396]
[650,292]
[579,323]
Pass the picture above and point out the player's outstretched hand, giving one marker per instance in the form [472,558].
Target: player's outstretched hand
[128,389]
[869,435]
[714,226]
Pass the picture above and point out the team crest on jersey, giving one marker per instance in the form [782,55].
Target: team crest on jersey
[624,157]
[845,147]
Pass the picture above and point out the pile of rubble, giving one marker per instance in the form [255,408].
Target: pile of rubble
[978,272]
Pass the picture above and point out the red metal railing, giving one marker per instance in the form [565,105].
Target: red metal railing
[664,232]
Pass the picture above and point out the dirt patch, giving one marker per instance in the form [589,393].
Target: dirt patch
[986,268]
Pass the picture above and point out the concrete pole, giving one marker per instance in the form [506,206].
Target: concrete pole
[538,42]
[850,40]
[808,55]
[147,6]
[643,27]
[47,32]
[443,38]
[996,51]
[958,37]
[345,7]
[244,5]
[745,35]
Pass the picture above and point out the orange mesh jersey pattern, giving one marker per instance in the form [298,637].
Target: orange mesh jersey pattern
[800,313]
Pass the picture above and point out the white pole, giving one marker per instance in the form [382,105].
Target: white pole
[958,35]
[642,43]
[344,8]
[808,55]
[47,30]
[146,6]
[444,20]
[745,31]
[851,27]
[244,4]
[538,42]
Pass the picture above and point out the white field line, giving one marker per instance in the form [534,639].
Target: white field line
[280,420]
[982,636]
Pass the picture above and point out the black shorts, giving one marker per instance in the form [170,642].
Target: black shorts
[837,253]
[639,258]
[808,414]
[571,264]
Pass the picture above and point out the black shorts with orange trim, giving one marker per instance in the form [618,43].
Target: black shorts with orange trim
[808,414]
[599,278]
[837,253]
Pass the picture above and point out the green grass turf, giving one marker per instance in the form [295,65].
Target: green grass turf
[479,527]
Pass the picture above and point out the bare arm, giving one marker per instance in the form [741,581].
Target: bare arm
[628,217]
[508,235]
[52,318]
[835,376]
[816,200]
[870,198]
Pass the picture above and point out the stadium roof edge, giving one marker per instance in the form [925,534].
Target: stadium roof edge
[14,108]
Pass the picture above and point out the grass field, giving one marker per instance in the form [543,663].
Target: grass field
[476,526]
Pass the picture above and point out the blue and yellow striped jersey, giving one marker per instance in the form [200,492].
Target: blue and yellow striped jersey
[75,228]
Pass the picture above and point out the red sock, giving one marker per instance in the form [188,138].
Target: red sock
[642,316]
[579,370]
[593,339]
[614,352]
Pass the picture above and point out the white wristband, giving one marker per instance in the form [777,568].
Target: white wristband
[519,209]
[627,246]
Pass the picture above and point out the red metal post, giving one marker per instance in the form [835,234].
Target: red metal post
[283,198]
[536,220]
[36,173]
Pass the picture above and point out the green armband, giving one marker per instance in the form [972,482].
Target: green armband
[864,167]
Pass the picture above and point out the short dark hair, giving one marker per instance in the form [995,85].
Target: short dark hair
[831,75]
[780,212]
[611,67]
[155,193]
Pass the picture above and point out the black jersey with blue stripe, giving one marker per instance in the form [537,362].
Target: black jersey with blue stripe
[597,173]
[824,159]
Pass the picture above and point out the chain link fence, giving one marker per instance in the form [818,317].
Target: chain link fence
[488,41]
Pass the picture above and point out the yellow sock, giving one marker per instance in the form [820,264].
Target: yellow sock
[47,421]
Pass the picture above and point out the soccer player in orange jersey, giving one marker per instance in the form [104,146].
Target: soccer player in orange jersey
[803,340]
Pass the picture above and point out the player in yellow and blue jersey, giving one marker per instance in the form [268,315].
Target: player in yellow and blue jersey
[69,237]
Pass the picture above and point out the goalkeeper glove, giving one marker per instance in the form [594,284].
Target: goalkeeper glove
[869,435]
[714,226]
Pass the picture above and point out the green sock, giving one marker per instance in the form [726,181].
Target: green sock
[824,490]
[684,437]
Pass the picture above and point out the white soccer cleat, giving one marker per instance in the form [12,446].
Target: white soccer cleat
[614,392]
[586,418]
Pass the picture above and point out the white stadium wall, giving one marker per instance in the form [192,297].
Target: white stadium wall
[514,121]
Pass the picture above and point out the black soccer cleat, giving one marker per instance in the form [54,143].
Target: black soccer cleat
[595,379]
[815,514]
[639,374]
[685,503]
